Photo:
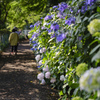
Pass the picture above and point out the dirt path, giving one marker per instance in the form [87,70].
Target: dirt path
[18,77]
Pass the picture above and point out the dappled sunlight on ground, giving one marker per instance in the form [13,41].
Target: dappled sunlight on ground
[18,77]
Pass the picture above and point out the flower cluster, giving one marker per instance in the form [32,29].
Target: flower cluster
[81,68]
[94,26]
[90,80]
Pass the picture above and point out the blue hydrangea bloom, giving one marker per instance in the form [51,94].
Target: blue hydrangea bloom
[55,27]
[61,37]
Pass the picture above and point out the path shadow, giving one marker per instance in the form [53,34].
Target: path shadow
[18,77]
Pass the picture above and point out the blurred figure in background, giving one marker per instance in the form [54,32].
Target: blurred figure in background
[13,39]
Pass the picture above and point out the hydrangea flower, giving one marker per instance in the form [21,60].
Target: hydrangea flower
[62,77]
[81,68]
[48,17]
[46,69]
[90,2]
[38,57]
[94,26]
[40,62]
[90,80]
[31,26]
[77,98]
[43,81]
[62,6]
[70,21]
[84,9]
[61,37]
[47,75]
[55,26]
[53,80]
[40,76]
[42,50]
[96,34]
[55,7]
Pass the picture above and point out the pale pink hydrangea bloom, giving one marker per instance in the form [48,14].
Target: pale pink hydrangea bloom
[47,75]
[44,49]
[40,62]
[53,80]
[40,76]
[38,57]
[46,69]
[43,81]
[62,78]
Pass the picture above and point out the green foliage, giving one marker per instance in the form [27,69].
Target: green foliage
[77,98]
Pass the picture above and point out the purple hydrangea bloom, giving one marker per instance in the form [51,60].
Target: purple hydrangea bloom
[79,38]
[37,23]
[55,7]
[54,35]
[90,2]
[31,49]
[70,21]
[61,37]
[62,6]
[48,17]
[49,31]
[84,9]
[71,10]
[30,39]
[36,44]
[55,27]
[33,41]
[31,26]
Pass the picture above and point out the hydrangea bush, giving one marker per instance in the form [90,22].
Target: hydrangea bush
[62,40]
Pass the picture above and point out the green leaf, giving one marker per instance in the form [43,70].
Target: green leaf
[74,85]
[78,19]
[96,56]
[61,93]
[98,9]
[94,49]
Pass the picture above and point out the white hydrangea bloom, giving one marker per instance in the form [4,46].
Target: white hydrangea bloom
[90,80]
[62,77]
[41,50]
[43,81]
[38,57]
[40,76]
[40,62]
[53,80]
[46,69]
[47,75]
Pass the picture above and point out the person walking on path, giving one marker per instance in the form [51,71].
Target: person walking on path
[13,39]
